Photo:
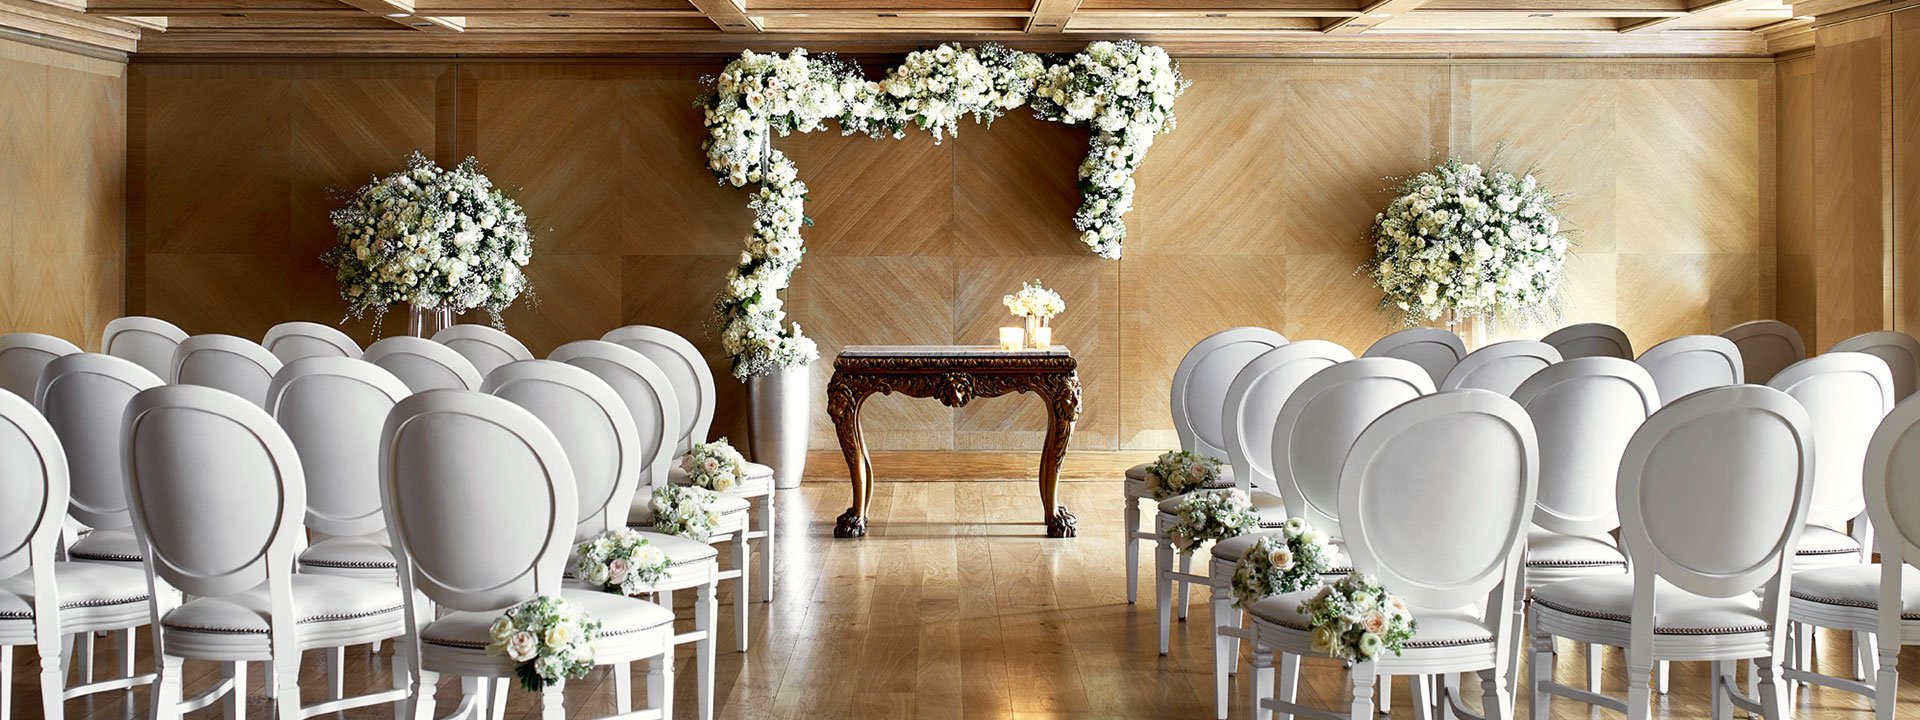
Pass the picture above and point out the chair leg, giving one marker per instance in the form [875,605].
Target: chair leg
[1720,688]
[1383,687]
[1222,609]
[1289,681]
[402,676]
[6,685]
[1496,696]
[1772,702]
[1422,692]
[741,591]
[623,687]
[425,683]
[495,692]
[1886,682]
[166,688]
[336,673]
[1363,683]
[1130,525]
[83,657]
[267,674]
[1666,675]
[1595,655]
[767,522]
[1802,641]
[287,677]
[123,642]
[705,608]
[1865,647]
[234,705]
[1163,588]
[1186,588]
[553,700]
[660,683]
[53,678]
[1639,694]
[1260,677]
[1540,674]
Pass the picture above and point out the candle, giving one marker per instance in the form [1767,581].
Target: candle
[1010,338]
[1042,338]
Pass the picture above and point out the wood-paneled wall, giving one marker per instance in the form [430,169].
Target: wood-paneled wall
[1253,212]
[62,191]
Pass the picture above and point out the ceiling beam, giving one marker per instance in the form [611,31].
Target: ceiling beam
[1707,10]
[53,20]
[1051,16]
[402,12]
[727,14]
[1371,15]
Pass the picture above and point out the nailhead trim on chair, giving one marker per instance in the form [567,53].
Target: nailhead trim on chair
[1577,563]
[75,606]
[322,618]
[473,646]
[1462,642]
[1834,551]
[1614,617]
[111,557]
[1845,602]
[350,564]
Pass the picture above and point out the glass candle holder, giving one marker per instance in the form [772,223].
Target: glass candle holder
[1011,337]
[1040,338]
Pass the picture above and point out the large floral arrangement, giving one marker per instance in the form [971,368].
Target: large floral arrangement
[1177,472]
[433,238]
[1211,516]
[620,561]
[1124,89]
[1290,560]
[684,510]
[715,466]
[1467,242]
[1034,301]
[1356,619]
[549,640]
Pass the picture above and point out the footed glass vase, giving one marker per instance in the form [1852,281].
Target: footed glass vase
[1472,330]
[425,322]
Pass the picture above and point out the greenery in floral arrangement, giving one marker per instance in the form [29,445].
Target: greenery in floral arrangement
[1288,560]
[620,561]
[550,641]
[1177,472]
[1356,619]
[684,510]
[1034,301]
[1211,516]
[715,466]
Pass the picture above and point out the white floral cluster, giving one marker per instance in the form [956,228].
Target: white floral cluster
[1034,301]
[1290,560]
[1465,242]
[1177,472]
[1356,619]
[1124,89]
[433,238]
[549,640]
[620,561]
[715,466]
[684,510]
[1211,516]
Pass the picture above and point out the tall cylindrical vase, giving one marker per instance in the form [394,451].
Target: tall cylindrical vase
[778,405]
[1472,330]
[424,322]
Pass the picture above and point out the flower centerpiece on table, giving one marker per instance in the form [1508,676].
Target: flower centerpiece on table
[1211,516]
[715,466]
[1290,560]
[1356,619]
[620,561]
[684,510]
[1177,472]
[1037,305]
[548,639]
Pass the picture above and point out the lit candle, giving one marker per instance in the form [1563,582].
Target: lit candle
[1042,337]
[1010,337]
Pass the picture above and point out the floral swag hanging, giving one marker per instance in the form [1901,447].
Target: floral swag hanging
[1124,89]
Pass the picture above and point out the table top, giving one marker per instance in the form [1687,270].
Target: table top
[947,351]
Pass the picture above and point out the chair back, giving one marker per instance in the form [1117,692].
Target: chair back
[148,342]
[647,392]
[1319,422]
[1590,340]
[479,500]
[292,341]
[594,428]
[1200,384]
[484,346]
[423,364]
[214,487]
[84,397]
[1893,498]
[1435,350]
[1846,394]
[1766,348]
[1436,497]
[692,379]
[1713,493]
[332,409]
[1254,401]
[224,362]
[1500,367]
[24,355]
[33,489]
[1900,351]
[1691,363]
[1584,411]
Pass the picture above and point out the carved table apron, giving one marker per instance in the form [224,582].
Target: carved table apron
[955,375]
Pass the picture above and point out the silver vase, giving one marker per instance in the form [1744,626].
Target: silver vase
[778,406]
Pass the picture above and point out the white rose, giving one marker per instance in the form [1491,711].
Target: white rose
[522,646]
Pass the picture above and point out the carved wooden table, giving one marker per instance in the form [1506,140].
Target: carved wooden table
[955,375]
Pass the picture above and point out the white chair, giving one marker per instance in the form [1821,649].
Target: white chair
[86,597]
[1212,365]
[224,362]
[1500,367]
[1435,350]
[24,355]
[233,558]
[1766,348]
[423,364]
[292,341]
[1435,498]
[596,431]
[1590,340]
[648,394]
[485,346]
[482,505]
[84,397]
[331,409]
[148,342]
[1691,363]
[1900,351]
[693,388]
[1713,492]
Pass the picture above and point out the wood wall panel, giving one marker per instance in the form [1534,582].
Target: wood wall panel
[1794,269]
[1906,171]
[1852,189]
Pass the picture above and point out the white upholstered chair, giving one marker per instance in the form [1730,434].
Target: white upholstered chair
[1766,347]
[148,342]
[1592,339]
[84,398]
[227,363]
[1713,492]
[332,408]
[292,341]
[233,559]
[24,355]
[423,364]
[1500,367]
[1435,350]
[1691,363]
[1900,351]
[481,502]
[1435,500]
[485,346]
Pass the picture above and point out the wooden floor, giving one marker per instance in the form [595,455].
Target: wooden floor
[956,607]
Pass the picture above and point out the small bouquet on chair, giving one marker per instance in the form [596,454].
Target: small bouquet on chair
[1356,619]
[1290,560]
[1178,472]
[620,561]
[715,466]
[1211,516]
[684,510]
[549,640]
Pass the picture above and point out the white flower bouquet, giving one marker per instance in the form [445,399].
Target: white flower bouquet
[715,466]
[1465,242]
[684,510]
[1290,560]
[1034,301]
[433,238]
[1177,472]
[1211,516]
[1356,619]
[550,640]
[620,561]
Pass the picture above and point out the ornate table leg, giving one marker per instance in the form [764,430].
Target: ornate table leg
[1062,395]
[843,405]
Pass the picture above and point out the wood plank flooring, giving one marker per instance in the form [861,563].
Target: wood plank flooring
[956,607]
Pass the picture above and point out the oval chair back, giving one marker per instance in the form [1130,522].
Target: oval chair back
[33,492]
[648,395]
[24,355]
[84,397]
[1435,350]
[1254,401]
[292,341]
[1900,351]
[1584,411]
[1590,340]
[593,427]
[1893,499]
[1766,348]
[1319,422]
[331,409]
[484,346]
[1201,381]
[1846,394]
[1691,363]
[1500,367]
[423,364]
[224,362]
[148,342]
[692,379]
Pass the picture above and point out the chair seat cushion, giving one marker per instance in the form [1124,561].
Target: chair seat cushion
[349,553]
[107,546]
[1856,586]
[1233,548]
[618,615]
[80,585]
[316,599]
[1823,540]
[758,482]
[1676,611]
[1548,549]
[1136,484]
[1433,628]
